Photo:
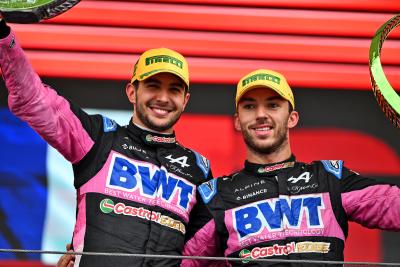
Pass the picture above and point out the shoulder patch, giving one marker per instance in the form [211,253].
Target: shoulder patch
[109,125]
[203,163]
[208,190]
[334,166]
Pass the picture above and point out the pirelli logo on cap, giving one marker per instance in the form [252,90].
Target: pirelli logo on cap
[165,59]
[261,76]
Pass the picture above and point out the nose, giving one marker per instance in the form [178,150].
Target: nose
[163,94]
[261,113]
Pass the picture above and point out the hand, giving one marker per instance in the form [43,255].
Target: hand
[66,260]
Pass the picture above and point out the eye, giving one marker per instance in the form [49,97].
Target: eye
[273,105]
[176,90]
[249,106]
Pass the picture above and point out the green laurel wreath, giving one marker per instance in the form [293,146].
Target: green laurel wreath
[32,11]
[387,98]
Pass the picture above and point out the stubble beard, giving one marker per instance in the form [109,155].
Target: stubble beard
[145,118]
[267,149]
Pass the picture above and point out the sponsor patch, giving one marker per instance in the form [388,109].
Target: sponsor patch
[282,250]
[277,214]
[334,166]
[203,163]
[208,190]
[149,181]
[107,206]
[275,167]
[305,176]
[159,139]
[109,125]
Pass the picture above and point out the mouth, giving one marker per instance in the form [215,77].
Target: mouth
[262,130]
[160,111]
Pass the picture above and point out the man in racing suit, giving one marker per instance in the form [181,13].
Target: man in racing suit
[136,185]
[277,207]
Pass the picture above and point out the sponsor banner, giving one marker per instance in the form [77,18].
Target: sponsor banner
[108,206]
[284,250]
[281,218]
[144,183]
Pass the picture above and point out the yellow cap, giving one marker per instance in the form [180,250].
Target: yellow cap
[265,78]
[160,60]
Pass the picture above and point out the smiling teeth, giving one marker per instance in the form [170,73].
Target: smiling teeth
[163,111]
[263,129]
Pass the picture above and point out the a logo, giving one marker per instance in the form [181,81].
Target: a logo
[164,58]
[107,206]
[109,125]
[261,76]
[208,190]
[133,148]
[280,250]
[275,167]
[149,181]
[333,166]
[304,176]
[245,253]
[277,214]
[181,160]
[250,190]
[298,188]
[160,139]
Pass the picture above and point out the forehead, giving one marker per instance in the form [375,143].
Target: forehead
[259,93]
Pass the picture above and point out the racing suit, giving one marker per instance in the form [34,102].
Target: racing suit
[290,210]
[136,190]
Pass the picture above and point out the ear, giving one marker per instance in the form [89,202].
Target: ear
[237,122]
[130,92]
[293,119]
[186,100]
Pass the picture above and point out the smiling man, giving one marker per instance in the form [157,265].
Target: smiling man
[136,185]
[277,207]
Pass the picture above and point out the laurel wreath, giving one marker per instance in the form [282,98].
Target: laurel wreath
[387,98]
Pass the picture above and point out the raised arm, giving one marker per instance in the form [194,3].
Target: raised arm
[370,203]
[49,114]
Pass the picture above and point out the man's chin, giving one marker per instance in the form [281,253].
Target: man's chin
[161,125]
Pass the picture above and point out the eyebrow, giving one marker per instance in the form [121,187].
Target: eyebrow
[151,80]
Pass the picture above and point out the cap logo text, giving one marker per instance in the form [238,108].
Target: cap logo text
[164,58]
[261,76]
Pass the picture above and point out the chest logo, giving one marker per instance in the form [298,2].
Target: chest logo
[149,181]
[304,176]
[276,214]
[181,160]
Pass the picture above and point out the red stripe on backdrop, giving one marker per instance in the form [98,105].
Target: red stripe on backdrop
[209,70]
[355,5]
[204,44]
[215,138]
[219,18]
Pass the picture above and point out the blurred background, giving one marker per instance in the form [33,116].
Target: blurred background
[87,55]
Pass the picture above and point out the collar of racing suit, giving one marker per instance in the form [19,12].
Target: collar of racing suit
[269,169]
[152,138]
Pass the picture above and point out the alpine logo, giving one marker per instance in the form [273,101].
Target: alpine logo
[181,160]
[304,176]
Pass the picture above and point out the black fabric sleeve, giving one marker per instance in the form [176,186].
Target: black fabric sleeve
[4,29]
